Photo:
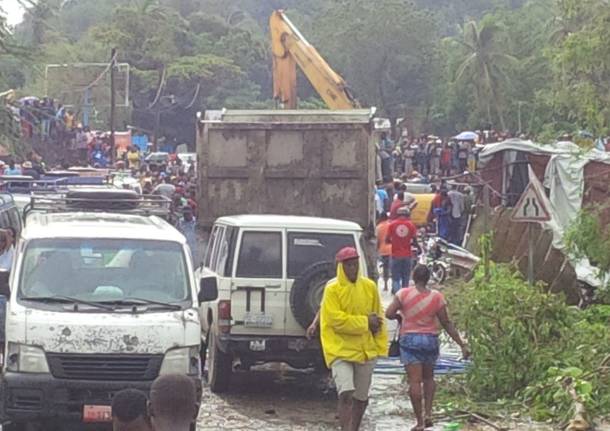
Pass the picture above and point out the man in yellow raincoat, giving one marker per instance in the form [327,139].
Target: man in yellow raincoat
[354,335]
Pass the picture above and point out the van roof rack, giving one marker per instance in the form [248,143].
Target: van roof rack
[27,185]
[100,200]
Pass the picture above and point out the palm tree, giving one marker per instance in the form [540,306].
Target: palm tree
[484,65]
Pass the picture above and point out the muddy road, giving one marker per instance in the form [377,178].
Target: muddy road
[275,397]
[282,399]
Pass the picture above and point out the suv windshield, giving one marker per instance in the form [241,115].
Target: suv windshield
[100,270]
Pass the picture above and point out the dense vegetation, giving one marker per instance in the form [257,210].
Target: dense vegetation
[541,66]
[531,349]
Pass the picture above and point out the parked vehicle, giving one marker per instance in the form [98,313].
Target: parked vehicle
[270,272]
[102,297]
[307,163]
[434,256]
[444,258]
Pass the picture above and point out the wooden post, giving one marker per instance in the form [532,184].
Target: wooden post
[156,129]
[486,229]
[112,104]
[530,254]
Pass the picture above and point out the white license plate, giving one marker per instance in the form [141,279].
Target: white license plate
[258,345]
[258,321]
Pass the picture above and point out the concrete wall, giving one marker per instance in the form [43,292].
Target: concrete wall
[295,168]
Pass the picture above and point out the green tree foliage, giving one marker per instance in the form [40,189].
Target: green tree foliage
[581,61]
[539,66]
[589,238]
[390,70]
[485,65]
[527,344]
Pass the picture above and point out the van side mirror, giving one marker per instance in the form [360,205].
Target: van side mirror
[4,287]
[208,289]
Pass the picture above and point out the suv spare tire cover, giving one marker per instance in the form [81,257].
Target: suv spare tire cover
[308,289]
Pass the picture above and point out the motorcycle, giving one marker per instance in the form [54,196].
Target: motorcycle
[434,256]
[442,257]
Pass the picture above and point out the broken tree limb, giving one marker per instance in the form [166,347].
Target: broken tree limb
[579,421]
[479,418]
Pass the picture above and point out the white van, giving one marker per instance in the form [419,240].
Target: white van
[99,301]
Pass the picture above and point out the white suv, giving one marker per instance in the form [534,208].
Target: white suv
[270,273]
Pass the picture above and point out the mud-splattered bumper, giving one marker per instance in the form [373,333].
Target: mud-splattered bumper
[295,351]
[34,397]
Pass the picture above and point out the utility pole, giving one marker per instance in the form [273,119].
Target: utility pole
[156,129]
[519,104]
[112,104]
[486,229]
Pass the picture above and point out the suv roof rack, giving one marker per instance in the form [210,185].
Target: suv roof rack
[100,200]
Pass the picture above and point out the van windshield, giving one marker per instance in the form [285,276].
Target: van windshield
[105,270]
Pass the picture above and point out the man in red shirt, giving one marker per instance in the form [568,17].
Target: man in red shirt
[402,234]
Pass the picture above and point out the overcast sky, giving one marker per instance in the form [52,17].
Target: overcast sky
[14,12]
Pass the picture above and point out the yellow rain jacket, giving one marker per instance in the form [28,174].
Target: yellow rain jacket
[344,323]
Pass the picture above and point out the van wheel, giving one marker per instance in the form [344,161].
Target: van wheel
[220,366]
[308,289]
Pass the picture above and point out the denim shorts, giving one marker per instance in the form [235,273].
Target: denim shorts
[419,349]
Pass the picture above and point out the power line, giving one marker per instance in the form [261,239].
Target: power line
[96,80]
[160,89]
[190,105]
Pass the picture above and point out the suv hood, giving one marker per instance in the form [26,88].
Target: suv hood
[143,333]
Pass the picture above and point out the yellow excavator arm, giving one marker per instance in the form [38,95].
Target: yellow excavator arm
[290,49]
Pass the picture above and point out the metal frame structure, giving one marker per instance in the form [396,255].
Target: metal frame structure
[119,67]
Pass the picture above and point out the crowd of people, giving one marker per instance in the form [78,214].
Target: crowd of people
[451,207]
[430,157]
[170,178]
[46,120]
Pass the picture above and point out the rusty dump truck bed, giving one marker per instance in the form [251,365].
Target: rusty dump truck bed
[313,163]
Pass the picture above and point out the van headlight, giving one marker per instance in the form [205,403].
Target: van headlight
[22,358]
[184,360]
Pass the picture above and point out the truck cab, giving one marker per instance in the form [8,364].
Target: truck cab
[102,298]
[270,273]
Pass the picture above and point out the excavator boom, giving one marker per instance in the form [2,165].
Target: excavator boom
[290,49]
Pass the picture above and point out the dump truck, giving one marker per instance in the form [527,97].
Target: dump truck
[288,162]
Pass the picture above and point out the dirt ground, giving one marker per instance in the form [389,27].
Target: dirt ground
[277,400]
[274,398]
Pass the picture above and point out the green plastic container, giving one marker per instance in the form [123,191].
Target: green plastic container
[454,426]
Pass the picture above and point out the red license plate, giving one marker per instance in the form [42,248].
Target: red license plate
[97,414]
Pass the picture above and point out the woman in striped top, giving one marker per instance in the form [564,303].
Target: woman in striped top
[421,313]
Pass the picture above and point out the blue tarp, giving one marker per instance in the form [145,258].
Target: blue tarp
[140,141]
[446,364]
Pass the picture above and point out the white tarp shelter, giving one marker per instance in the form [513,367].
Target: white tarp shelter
[564,178]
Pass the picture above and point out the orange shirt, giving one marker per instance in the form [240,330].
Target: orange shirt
[383,248]
[419,310]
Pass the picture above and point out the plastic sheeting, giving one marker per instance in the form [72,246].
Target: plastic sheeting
[564,178]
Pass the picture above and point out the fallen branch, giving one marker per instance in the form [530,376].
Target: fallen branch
[479,418]
[579,421]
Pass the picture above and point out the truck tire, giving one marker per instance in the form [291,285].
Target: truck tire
[220,366]
[307,291]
